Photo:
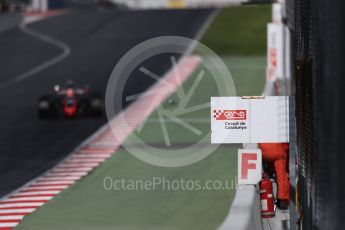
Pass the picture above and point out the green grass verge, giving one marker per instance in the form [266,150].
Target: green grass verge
[239,31]
[87,205]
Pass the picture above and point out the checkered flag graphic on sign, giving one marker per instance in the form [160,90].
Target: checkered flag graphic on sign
[217,113]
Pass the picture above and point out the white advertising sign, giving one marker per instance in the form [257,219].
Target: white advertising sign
[277,12]
[250,119]
[275,51]
[249,166]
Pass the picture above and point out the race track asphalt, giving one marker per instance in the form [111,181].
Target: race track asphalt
[97,39]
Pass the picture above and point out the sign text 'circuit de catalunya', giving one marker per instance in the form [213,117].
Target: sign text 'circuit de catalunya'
[250,119]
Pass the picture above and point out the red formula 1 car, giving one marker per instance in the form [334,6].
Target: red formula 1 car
[70,102]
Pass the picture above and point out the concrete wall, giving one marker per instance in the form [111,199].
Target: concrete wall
[245,212]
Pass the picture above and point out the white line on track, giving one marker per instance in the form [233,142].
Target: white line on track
[90,156]
[40,198]
[8,225]
[83,161]
[52,182]
[18,217]
[44,187]
[78,165]
[55,178]
[69,171]
[66,50]
[97,150]
[21,210]
[65,174]
[74,169]
[66,168]
[47,187]
[38,183]
[32,204]
[37,193]
[103,143]
[27,196]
